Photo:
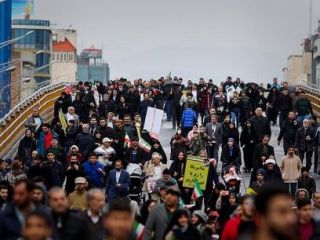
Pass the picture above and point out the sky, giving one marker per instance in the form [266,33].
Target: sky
[250,39]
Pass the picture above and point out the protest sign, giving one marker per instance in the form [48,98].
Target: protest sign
[196,169]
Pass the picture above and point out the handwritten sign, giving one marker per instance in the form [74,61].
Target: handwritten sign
[195,169]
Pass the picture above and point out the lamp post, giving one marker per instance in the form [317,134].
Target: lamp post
[6,43]
[5,100]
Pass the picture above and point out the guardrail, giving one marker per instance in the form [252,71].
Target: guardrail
[12,125]
[314,96]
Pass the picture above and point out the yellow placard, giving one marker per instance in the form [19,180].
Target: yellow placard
[195,169]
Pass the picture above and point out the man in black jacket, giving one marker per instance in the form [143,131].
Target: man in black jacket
[262,149]
[106,105]
[288,131]
[260,124]
[284,105]
[105,131]
[67,224]
[143,106]
[304,142]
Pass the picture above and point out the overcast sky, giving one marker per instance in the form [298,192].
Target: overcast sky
[190,38]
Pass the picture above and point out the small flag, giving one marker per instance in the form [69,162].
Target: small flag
[144,145]
[139,230]
[63,121]
[127,142]
[197,192]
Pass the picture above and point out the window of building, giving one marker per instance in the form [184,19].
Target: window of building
[65,57]
[70,57]
[61,57]
[53,57]
[58,59]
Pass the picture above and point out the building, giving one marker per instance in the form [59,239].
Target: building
[35,53]
[64,53]
[91,66]
[316,58]
[5,56]
[299,67]
[59,35]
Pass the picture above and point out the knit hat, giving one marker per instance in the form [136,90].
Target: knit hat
[261,171]
[201,214]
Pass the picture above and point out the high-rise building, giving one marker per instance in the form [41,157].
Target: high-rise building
[34,55]
[91,66]
[5,56]
[316,58]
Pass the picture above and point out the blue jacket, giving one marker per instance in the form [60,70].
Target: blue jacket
[92,173]
[112,190]
[189,117]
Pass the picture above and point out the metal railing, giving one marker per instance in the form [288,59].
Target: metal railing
[12,124]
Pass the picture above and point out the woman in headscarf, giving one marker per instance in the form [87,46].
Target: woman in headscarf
[247,143]
[26,146]
[178,144]
[181,227]
[156,147]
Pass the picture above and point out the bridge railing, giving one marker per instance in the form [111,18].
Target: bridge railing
[12,125]
[314,96]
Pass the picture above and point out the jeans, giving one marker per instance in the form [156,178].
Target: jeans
[235,117]
[292,187]
[168,109]
[301,118]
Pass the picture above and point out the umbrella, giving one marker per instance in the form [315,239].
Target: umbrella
[171,83]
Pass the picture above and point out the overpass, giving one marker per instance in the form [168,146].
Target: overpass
[12,125]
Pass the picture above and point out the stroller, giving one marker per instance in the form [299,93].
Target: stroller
[135,190]
[230,175]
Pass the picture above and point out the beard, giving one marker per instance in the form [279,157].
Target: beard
[286,235]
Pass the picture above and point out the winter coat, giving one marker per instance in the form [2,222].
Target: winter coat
[56,172]
[189,118]
[303,106]
[288,131]
[85,142]
[229,156]
[26,146]
[307,183]
[261,126]
[290,168]
[301,143]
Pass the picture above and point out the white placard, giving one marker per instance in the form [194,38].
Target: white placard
[153,120]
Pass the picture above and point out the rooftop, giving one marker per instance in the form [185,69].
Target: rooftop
[65,46]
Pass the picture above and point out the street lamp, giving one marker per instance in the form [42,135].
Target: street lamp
[6,43]
[11,68]
[23,80]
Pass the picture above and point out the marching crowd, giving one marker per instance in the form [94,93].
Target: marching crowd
[94,172]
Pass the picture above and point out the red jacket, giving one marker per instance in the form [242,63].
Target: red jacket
[230,230]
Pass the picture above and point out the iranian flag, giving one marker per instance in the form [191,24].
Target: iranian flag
[144,145]
[197,191]
[127,142]
[139,230]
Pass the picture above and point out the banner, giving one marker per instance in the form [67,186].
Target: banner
[196,170]
[22,9]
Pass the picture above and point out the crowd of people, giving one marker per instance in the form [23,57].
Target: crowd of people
[95,173]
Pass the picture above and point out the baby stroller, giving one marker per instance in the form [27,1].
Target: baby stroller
[230,175]
[135,190]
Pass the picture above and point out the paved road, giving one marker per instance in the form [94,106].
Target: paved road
[167,132]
